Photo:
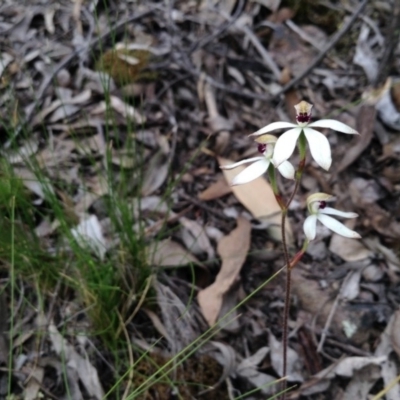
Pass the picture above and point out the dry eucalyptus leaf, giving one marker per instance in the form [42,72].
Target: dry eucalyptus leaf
[349,365]
[395,332]
[365,56]
[258,197]
[362,382]
[5,59]
[365,126]
[34,384]
[294,363]
[28,148]
[126,110]
[389,341]
[226,356]
[177,317]
[248,369]
[351,285]
[349,250]
[89,233]
[86,373]
[233,250]
[30,181]
[216,190]
[195,236]
[155,174]
[167,253]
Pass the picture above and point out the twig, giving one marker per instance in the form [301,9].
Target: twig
[201,204]
[205,41]
[268,60]
[238,92]
[309,39]
[336,37]
[328,323]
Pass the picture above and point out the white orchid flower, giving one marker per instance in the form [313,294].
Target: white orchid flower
[319,145]
[260,164]
[318,210]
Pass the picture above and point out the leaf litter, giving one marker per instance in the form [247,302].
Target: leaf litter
[183,88]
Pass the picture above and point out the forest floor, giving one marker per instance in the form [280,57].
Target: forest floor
[130,268]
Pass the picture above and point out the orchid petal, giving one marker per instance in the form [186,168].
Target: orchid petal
[285,145]
[273,126]
[252,172]
[333,211]
[333,124]
[319,147]
[246,161]
[337,227]
[287,170]
[310,227]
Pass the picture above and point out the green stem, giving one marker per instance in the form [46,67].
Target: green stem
[272,179]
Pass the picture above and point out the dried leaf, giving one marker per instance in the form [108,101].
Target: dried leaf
[349,250]
[349,365]
[126,110]
[167,253]
[247,369]
[233,250]
[177,318]
[30,181]
[156,173]
[85,371]
[258,197]
[89,233]
[386,109]
[351,285]
[195,236]
[362,382]
[294,364]
[34,384]
[21,155]
[216,190]
[365,56]
[389,341]
[365,126]
[5,59]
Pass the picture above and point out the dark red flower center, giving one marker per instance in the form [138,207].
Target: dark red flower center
[261,147]
[303,117]
[322,205]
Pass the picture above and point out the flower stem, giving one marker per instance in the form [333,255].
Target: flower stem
[272,179]
[287,303]
[289,266]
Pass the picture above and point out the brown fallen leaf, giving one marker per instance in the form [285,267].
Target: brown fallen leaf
[365,126]
[167,253]
[216,190]
[349,250]
[258,197]
[233,250]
